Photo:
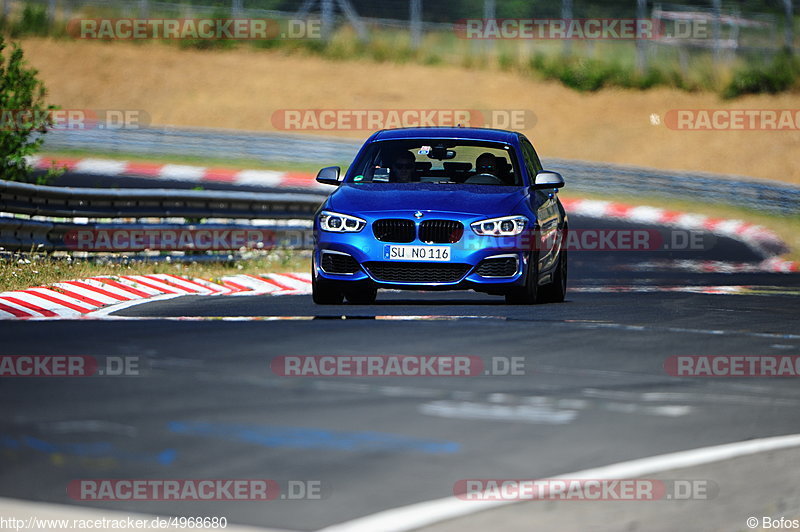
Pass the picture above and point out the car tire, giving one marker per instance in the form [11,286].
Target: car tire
[364,295]
[527,294]
[325,293]
[556,291]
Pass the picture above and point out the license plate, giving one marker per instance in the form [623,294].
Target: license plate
[422,253]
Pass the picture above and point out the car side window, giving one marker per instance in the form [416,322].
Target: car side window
[531,159]
[534,166]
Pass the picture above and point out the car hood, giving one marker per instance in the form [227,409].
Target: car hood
[466,199]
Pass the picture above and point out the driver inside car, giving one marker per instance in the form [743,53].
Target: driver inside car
[403,168]
[486,163]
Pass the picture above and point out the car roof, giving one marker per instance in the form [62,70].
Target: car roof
[460,133]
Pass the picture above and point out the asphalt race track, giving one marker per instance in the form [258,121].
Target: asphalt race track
[594,391]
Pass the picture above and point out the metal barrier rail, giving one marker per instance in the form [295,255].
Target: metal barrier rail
[23,234]
[39,200]
[203,142]
[763,195]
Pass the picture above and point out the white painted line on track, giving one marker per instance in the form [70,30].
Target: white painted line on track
[422,514]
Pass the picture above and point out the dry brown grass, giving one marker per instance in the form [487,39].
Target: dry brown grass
[241,89]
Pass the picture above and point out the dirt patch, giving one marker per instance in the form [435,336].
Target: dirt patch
[241,88]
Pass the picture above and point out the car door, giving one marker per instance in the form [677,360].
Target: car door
[546,207]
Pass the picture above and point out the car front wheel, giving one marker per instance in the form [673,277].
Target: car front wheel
[527,294]
[556,291]
[325,293]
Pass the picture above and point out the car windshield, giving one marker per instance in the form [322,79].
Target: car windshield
[446,162]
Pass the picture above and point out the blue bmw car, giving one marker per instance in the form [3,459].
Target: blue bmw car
[441,209]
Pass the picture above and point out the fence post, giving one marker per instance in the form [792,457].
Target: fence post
[236,8]
[787,4]
[566,14]
[641,59]
[717,29]
[488,14]
[305,8]
[144,8]
[415,16]
[327,19]
[350,12]
[51,11]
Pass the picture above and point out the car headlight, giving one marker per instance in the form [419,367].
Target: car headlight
[340,223]
[504,226]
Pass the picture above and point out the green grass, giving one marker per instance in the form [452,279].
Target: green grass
[780,75]
[25,270]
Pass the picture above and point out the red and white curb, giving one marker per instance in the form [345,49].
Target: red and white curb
[73,299]
[756,237]
[179,172]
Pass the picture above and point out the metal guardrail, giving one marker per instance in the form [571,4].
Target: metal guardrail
[589,177]
[39,200]
[202,142]
[57,203]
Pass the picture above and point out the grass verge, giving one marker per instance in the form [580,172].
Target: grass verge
[19,271]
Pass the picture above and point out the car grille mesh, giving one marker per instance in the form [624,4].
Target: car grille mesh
[417,272]
[394,230]
[336,263]
[441,231]
[497,267]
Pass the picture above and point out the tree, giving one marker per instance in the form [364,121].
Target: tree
[24,116]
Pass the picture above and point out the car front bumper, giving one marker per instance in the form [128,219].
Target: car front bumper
[466,268]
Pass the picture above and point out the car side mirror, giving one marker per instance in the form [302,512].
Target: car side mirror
[329,175]
[546,179]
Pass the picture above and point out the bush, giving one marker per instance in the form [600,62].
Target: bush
[33,22]
[20,90]
[778,76]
